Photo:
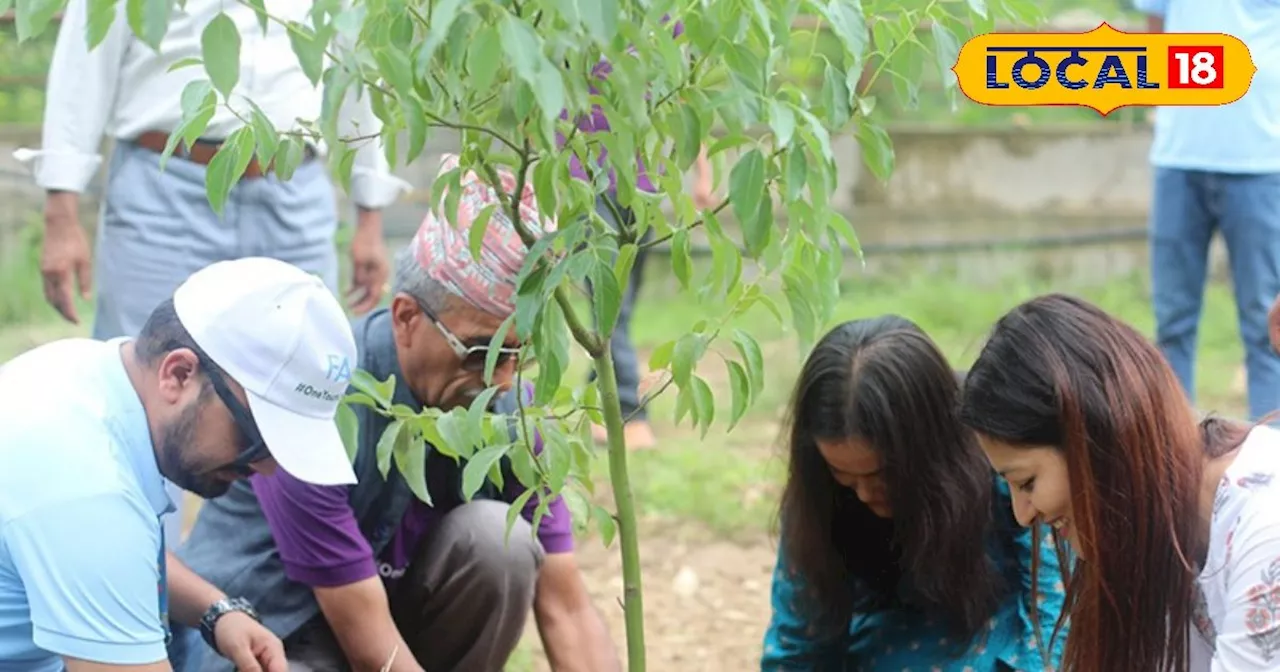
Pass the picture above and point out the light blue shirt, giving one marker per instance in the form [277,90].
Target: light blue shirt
[80,499]
[1243,137]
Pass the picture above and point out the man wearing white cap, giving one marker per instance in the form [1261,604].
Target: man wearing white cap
[241,370]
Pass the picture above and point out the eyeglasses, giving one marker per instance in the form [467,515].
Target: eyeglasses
[473,356]
[255,449]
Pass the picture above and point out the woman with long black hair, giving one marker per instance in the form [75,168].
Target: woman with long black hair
[1175,519]
[898,550]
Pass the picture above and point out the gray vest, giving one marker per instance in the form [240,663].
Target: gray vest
[231,545]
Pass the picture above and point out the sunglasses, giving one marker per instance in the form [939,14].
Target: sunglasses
[473,356]
[255,449]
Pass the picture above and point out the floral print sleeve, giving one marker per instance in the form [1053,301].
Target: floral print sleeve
[1248,636]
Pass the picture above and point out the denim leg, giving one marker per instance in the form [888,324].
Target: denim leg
[1251,229]
[626,365]
[1182,224]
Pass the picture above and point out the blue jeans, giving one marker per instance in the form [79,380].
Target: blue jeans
[626,364]
[157,228]
[1188,207]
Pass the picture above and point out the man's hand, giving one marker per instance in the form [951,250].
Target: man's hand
[64,257]
[369,265]
[1273,325]
[573,634]
[249,645]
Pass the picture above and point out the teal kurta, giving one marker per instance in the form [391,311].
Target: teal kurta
[901,640]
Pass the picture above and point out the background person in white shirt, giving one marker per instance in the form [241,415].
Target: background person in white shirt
[1175,519]
[157,227]
[240,371]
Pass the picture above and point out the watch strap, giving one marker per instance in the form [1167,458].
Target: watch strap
[219,609]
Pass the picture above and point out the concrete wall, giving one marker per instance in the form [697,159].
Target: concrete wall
[949,184]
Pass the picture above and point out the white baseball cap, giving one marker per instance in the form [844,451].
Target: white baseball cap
[281,334]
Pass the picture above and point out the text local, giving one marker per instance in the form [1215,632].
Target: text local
[1112,71]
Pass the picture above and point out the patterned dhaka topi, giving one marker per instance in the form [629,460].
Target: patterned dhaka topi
[443,249]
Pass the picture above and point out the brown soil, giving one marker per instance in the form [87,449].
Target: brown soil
[706,601]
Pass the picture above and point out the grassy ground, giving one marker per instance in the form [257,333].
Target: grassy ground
[707,504]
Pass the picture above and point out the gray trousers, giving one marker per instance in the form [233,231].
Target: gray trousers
[156,228]
[461,605]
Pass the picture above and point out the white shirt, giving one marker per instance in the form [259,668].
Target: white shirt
[123,87]
[1236,621]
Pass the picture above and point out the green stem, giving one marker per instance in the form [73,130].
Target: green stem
[628,535]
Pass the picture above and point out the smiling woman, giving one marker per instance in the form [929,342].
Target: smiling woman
[1175,520]
[898,550]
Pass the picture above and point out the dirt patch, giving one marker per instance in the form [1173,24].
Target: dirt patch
[706,601]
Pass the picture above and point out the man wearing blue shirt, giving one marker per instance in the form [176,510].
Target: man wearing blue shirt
[1218,168]
[246,354]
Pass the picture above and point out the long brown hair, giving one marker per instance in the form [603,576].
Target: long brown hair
[883,380]
[1058,371]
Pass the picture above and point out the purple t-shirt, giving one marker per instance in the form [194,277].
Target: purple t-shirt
[321,545]
[596,122]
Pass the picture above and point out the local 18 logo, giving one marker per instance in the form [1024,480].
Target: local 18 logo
[1104,69]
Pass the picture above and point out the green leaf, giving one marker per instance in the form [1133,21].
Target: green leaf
[33,16]
[843,227]
[484,58]
[495,344]
[850,26]
[661,356]
[752,357]
[877,148]
[348,429]
[473,474]
[625,262]
[411,462]
[524,50]
[184,63]
[741,390]
[198,103]
[415,119]
[265,134]
[946,51]
[688,350]
[515,510]
[608,526]
[681,259]
[394,66]
[836,97]
[797,167]
[690,137]
[748,196]
[544,185]
[379,390]
[477,411]
[387,444]
[475,237]
[289,156]
[102,13]
[443,14]
[601,20]
[220,50]
[705,404]
[260,9]
[978,7]
[606,297]
[309,47]
[228,166]
[782,121]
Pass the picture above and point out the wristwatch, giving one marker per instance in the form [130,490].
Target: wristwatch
[218,610]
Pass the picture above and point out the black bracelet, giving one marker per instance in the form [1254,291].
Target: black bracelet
[219,609]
